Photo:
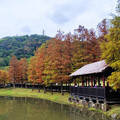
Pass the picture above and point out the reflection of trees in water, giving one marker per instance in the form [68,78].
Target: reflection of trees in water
[5,107]
[16,108]
[30,109]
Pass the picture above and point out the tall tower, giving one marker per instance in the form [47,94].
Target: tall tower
[43,32]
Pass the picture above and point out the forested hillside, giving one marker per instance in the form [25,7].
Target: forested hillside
[20,46]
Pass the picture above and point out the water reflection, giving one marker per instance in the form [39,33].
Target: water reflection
[16,108]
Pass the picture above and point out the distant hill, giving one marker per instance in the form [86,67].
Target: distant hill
[20,46]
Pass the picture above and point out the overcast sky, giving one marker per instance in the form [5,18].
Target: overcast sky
[20,17]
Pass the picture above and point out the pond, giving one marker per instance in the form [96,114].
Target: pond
[16,108]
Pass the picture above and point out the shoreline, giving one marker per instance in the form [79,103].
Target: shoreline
[56,97]
[22,92]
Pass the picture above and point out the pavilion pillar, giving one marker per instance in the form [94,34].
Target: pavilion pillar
[82,81]
[91,81]
[99,84]
[103,80]
[88,81]
[85,81]
[74,81]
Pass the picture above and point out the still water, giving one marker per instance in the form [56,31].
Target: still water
[14,108]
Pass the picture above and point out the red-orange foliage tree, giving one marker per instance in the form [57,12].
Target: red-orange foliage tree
[13,70]
[40,58]
[32,77]
[4,77]
[48,64]
[67,56]
[58,60]
[18,70]
[92,47]
[23,70]
[102,30]
[78,48]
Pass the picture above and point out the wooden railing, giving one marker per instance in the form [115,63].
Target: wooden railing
[55,88]
[98,92]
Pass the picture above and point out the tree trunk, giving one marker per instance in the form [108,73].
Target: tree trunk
[25,85]
[22,85]
[32,87]
[51,89]
[4,85]
[69,87]
[13,85]
[66,87]
[62,89]
[38,87]
[44,89]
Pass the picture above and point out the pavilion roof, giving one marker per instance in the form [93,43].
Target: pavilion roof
[96,67]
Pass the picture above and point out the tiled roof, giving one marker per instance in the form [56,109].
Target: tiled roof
[96,67]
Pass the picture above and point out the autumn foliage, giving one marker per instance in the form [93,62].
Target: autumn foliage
[18,70]
[53,62]
[4,77]
[111,52]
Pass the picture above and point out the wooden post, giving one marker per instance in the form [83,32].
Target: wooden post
[32,87]
[51,89]
[99,84]
[44,88]
[88,81]
[91,81]
[94,82]
[82,81]
[38,87]
[62,88]
[103,80]
[74,81]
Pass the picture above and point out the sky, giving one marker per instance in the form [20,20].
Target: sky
[21,17]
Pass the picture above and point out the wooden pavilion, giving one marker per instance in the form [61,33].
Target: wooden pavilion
[93,85]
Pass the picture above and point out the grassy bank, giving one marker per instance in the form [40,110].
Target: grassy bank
[56,97]
[115,109]
[21,92]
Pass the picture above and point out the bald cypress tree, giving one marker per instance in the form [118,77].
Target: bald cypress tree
[111,52]
[13,70]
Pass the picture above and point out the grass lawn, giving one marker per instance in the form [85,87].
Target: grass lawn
[114,110]
[21,92]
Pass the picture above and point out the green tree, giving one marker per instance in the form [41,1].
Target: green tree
[20,46]
[111,52]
